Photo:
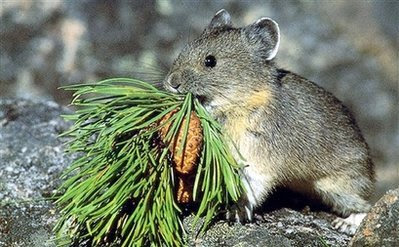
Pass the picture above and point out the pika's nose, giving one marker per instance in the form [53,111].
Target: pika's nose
[174,80]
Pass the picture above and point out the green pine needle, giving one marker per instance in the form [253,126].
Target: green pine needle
[122,186]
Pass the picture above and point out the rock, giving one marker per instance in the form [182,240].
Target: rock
[381,225]
[32,158]
[281,227]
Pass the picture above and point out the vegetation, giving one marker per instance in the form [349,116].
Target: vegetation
[123,185]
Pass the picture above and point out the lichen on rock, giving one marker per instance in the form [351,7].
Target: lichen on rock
[381,225]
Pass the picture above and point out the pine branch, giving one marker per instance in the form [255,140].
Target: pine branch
[123,185]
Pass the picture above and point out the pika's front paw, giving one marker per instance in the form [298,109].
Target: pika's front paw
[241,212]
[350,224]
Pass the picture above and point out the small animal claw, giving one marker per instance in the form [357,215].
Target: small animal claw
[350,224]
[241,212]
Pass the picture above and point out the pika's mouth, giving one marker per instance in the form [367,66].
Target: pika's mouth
[203,99]
[169,88]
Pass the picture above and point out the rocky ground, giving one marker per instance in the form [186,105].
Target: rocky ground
[32,159]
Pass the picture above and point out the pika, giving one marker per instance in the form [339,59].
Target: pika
[288,131]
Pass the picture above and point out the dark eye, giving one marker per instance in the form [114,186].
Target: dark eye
[210,61]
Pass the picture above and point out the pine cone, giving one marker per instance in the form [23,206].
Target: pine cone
[185,163]
[185,189]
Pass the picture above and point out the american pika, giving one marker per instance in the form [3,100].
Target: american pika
[289,131]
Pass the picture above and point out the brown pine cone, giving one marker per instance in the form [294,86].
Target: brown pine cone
[185,162]
[185,189]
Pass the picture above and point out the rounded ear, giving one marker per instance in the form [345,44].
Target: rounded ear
[221,19]
[264,36]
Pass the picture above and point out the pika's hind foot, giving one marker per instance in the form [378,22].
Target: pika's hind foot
[350,224]
[241,212]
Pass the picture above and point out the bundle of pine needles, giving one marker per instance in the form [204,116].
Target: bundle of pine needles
[123,187]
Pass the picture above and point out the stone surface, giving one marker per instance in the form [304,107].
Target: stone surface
[280,227]
[381,225]
[32,158]
[348,47]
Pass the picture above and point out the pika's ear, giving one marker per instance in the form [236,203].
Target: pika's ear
[264,36]
[221,19]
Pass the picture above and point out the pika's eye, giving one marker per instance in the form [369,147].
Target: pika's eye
[210,61]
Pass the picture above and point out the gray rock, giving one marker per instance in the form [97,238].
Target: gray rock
[381,225]
[280,227]
[32,158]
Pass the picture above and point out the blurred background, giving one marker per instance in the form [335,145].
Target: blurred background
[348,47]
